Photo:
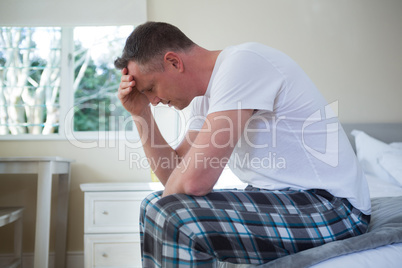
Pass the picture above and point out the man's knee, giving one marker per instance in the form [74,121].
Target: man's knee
[173,203]
[150,199]
[166,211]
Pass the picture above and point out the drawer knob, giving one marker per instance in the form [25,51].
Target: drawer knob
[104,255]
[105,212]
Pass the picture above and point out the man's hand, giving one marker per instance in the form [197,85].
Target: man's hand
[208,154]
[133,101]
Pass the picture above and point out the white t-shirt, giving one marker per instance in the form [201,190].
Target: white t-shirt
[293,139]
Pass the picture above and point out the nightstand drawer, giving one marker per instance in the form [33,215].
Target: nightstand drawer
[114,251]
[114,212]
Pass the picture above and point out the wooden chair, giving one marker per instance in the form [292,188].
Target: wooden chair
[9,215]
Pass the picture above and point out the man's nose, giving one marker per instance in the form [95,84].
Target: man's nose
[154,100]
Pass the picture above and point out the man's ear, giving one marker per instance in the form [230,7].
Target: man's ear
[174,60]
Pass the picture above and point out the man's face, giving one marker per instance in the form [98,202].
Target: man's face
[167,87]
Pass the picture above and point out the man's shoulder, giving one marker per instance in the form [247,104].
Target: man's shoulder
[250,46]
[252,51]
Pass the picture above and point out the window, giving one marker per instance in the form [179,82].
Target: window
[60,83]
[36,85]
[57,82]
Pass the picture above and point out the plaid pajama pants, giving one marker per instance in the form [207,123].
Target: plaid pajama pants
[242,226]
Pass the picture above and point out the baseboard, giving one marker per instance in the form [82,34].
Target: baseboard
[74,259]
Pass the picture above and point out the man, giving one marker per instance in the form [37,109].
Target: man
[259,112]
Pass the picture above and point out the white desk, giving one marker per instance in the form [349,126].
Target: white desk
[45,167]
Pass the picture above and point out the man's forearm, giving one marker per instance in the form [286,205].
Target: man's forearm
[161,156]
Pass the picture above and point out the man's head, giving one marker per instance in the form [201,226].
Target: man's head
[149,42]
[166,65]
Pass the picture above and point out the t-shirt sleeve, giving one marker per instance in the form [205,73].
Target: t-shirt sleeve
[245,80]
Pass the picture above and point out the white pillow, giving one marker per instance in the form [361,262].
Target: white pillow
[369,152]
[392,162]
[380,188]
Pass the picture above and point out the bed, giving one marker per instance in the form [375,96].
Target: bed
[379,150]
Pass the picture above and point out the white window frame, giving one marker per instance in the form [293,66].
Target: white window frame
[87,139]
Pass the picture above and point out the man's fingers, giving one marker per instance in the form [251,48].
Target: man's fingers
[126,78]
[123,92]
[127,84]
[125,88]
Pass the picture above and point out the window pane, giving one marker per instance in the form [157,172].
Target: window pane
[96,80]
[29,80]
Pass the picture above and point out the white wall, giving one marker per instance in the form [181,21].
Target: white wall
[350,49]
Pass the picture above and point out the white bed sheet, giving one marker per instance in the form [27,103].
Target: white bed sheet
[389,256]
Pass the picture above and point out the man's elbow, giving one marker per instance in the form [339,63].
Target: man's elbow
[197,189]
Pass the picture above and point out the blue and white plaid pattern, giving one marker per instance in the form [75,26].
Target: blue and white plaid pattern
[252,226]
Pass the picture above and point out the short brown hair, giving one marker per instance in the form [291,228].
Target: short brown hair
[149,42]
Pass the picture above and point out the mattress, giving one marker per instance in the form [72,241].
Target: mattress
[382,245]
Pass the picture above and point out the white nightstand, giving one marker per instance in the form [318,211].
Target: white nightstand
[111,225]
